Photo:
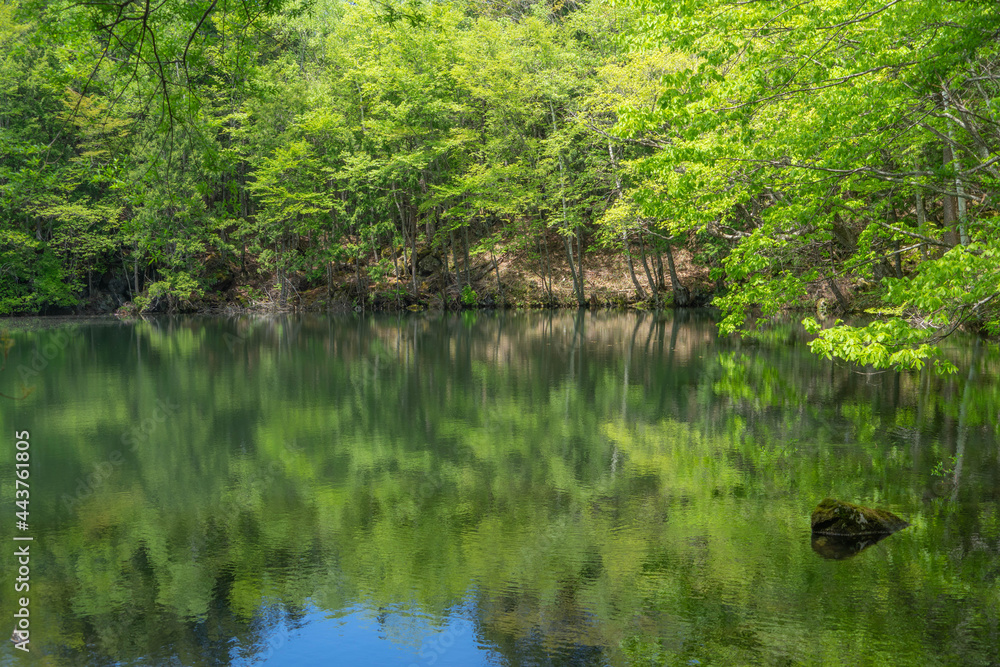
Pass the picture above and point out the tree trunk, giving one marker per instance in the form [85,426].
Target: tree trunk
[569,258]
[631,268]
[131,294]
[897,263]
[548,268]
[496,268]
[577,271]
[357,279]
[682,296]
[395,264]
[921,213]
[844,303]
[278,248]
[963,232]
[581,295]
[454,257]
[948,204]
[413,254]
[468,263]
[628,254]
[649,275]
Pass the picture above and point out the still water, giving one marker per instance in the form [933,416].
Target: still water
[489,489]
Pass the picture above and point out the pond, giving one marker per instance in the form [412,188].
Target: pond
[558,488]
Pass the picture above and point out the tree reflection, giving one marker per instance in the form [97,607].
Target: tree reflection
[622,486]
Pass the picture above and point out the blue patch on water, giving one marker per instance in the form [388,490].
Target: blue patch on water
[371,637]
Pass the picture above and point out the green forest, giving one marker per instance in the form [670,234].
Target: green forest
[756,155]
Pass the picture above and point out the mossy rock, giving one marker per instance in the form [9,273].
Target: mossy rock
[835,517]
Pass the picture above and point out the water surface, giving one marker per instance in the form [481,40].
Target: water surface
[491,489]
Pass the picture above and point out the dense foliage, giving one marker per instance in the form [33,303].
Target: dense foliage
[836,143]
[828,152]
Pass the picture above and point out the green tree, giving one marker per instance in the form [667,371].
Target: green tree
[796,140]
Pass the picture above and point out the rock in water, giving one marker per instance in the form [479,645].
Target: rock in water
[835,517]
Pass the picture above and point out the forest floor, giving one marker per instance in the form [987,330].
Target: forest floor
[523,283]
